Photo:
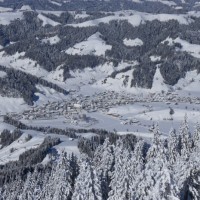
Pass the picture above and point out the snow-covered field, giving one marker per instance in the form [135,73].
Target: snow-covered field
[9,105]
[133,43]
[6,126]
[46,21]
[55,3]
[51,40]
[7,17]
[3,9]
[136,18]
[169,3]
[17,61]
[2,74]
[15,149]
[193,49]
[47,95]
[94,45]
[138,117]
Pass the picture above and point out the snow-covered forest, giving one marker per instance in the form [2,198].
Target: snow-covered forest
[93,95]
[127,168]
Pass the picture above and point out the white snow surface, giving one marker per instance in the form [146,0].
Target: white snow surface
[158,83]
[189,85]
[155,58]
[137,1]
[17,61]
[68,145]
[169,3]
[10,105]
[4,126]
[51,40]
[55,3]
[19,146]
[25,8]
[136,18]
[193,49]
[56,13]
[47,95]
[46,21]
[133,43]
[4,9]
[2,74]
[7,17]
[56,75]
[94,45]
[81,15]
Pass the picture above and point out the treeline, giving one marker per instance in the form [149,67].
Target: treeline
[8,137]
[23,84]
[27,161]
[105,6]
[89,146]
[70,132]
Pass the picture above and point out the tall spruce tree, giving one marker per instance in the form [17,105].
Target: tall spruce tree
[87,184]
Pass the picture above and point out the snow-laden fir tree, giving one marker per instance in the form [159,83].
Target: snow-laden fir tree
[63,179]
[87,185]
[36,183]
[5,191]
[28,188]
[13,190]
[136,166]
[196,137]
[156,181]
[193,183]
[120,186]
[49,187]
[136,163]
[173,142]
[59,185]
[104,163]
[185,138]
[157,143]
[47,182]
[127,166]
[74,167]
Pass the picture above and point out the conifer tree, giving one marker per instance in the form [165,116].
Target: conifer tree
[185,138]
[196,137]
[87,184]
[63,178]
[120,186]
[173,142]
[104,163]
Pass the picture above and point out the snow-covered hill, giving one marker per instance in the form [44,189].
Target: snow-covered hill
[121,51]
[99,99]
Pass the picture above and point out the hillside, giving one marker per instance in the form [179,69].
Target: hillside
[99,100]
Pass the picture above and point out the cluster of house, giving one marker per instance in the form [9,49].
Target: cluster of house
[79,104]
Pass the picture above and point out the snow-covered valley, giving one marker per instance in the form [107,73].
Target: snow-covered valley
[102,104]
[125,108]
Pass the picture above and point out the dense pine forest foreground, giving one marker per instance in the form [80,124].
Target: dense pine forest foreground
[122,168]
